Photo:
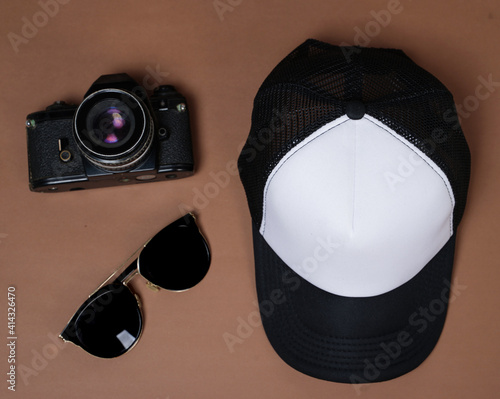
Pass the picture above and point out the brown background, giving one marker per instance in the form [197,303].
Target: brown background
[56,248]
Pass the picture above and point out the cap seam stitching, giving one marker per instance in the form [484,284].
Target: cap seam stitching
[273,85]
[399,138]
[318,348]
[354,177]
[277,170]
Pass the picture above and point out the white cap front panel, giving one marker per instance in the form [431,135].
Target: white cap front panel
[357,210]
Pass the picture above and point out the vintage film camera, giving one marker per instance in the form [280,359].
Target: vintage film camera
[116,136]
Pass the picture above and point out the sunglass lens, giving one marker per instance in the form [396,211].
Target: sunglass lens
[177,258]
[108,324]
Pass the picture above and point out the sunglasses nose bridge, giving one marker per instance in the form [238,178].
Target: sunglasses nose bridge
[132,272]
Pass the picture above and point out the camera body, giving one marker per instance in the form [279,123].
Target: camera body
[116,136]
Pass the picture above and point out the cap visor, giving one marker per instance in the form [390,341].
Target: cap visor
[346,339]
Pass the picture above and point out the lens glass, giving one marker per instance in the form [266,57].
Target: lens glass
[109,323]
[177,258]
[110,123]
[112,127]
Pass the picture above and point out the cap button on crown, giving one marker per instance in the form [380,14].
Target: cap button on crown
[355,109]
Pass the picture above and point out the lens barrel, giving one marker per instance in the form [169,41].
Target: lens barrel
[113,129]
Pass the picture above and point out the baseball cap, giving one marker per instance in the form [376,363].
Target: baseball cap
[356,173]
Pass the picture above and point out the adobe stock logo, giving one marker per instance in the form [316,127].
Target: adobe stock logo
[405,169]
[263,309]
[29,29]
[483,91]
[223,6]
[419,321]
[379,20]
[41,358]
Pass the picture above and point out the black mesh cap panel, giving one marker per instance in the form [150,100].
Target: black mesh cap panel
[311,87]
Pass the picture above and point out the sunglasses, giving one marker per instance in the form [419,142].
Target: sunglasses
[110,322]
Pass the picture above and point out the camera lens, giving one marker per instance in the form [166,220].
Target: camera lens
[111,123]
[113,129]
